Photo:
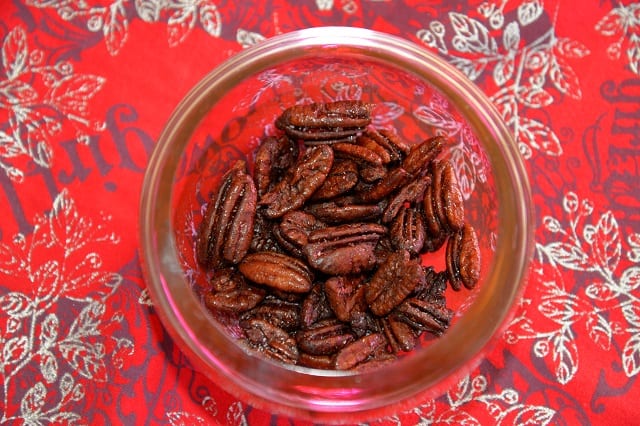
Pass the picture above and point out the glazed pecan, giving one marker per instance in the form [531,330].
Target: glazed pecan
[386,143]
[273,157]
[340,211]
[342,177]
[307,176]
[463,258]
[359,351]
[392,282]
[278,312]
[344,249]
[407,231]
[271,340]
[226,231]
[443,204]
[324,337]
[420,156]
[400,335]
[325,122]
[424,315]
[410,194]
[293,231]
[315,306]
[278,271]
[345,295]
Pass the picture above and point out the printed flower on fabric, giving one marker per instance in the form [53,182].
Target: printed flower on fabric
[472,401]
[58,338]
[489,46]
[601,299]
[111,18]
[39,103]
[622,24]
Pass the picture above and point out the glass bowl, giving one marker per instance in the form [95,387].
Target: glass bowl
[224,117]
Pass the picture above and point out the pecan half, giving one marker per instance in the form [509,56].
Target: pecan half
[407,231]
[345,295]
[308,175]
[386,143]
[325,122]
[325,337]
[344,249]
[420,156]
[339,212]
[359,351]
[278,271]
[463,258]
[342,177]
[273,156]
[271,340]
[424,315]
[280,313]
[226,231]
[392,282]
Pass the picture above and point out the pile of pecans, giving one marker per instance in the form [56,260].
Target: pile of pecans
[317,250]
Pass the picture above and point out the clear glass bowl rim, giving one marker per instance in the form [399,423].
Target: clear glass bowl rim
[314,393]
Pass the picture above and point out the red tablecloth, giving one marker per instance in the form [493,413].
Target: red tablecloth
[85,88]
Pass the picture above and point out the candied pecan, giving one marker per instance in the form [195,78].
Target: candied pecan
[344,249]
[324,337]
[386,141]
[294,229]
[226,231]
[407,231]
[400,335]
[315,307]
[345,295]
[392,282]
[264,238]
[339,212]
[452,202]
[420,156]
[271,340]
[322,362]
[443,204]
[410,194]
[359,351]
[394,179]
[435,284]
[342,177]
[424,315]
[372,173]
[325,122]
[277,270]
[377,360]
[308,175]
[359,154]
[278,312]
[273,156]
[463,258]
[226,279]
[363,323]
[237,300]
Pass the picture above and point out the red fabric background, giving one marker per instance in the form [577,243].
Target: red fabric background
[80,342]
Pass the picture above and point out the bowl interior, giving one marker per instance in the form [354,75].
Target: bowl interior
[411,106]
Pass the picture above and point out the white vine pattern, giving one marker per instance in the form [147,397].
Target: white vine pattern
[623,23]
[112,20]
[505,408]
[526,73]
[61,355]
[612,290]
[469,163]
[40,101]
